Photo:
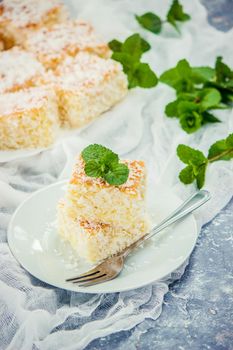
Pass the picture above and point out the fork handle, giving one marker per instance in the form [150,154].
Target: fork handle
[191,204]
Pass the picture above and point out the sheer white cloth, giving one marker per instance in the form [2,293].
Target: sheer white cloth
[34,315]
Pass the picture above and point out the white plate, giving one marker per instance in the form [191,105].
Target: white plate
[33,239]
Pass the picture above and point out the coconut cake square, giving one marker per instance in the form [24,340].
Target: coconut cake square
[87,86]
[28,118]
[53,45]
[20,17]
[94,200]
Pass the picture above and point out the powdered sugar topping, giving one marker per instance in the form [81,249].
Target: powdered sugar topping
[17,67]
[24,13]
[85,70]
[20,101]
[64,37]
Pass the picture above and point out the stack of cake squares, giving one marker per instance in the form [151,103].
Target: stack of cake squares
[43,52]
[99,219]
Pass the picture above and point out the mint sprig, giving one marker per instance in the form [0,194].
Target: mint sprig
[199,90]
[101,162]
[197,163]
[154,23]
[150,21]
[129,54]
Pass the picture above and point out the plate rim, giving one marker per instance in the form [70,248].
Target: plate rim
[86,289]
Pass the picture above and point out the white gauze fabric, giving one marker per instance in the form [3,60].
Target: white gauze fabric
[34,315]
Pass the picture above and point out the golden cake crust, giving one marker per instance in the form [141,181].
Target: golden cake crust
[136,167]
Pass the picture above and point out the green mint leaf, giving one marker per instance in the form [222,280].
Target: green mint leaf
[229,141]
[94,152]
[109,158]
[209,118]
[186,107]
[209,98]
[176,13]
[186,175]
[202,74]
[93,168]
[135,46]
[221,150]
[171,108]
[223,73]
[184,69]
[115,45]
[190,122]
[196,168]
[150,21]
[145,46]
[101,162]
[179,77]
[117,175]
[142,76]
[125,59]
[201,175]
[190,155]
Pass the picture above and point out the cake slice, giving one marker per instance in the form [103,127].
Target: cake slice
[95,200]
[19,70]
[94,241]
[87,86]
[100,219]
[19,17]
[53,45]
[28,118]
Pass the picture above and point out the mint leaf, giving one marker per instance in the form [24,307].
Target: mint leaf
[125,59]
[209,98]
[209,118]
[171,108]
[186,175]
[142,76]
[176,14]
[201,175]
[190,155]
[129,54]
[221,150]
[202,74]
[135,46]
[184,69]
[196,168]
[197,163]
[117,175]
[190,122]
[95,151]
[101,162]
[186,107]
[150,21]
[223,73]
[93,168]
[179,77]
[145,46]
[115,45]
[229,141]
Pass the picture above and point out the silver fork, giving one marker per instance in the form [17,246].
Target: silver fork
[110,267]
